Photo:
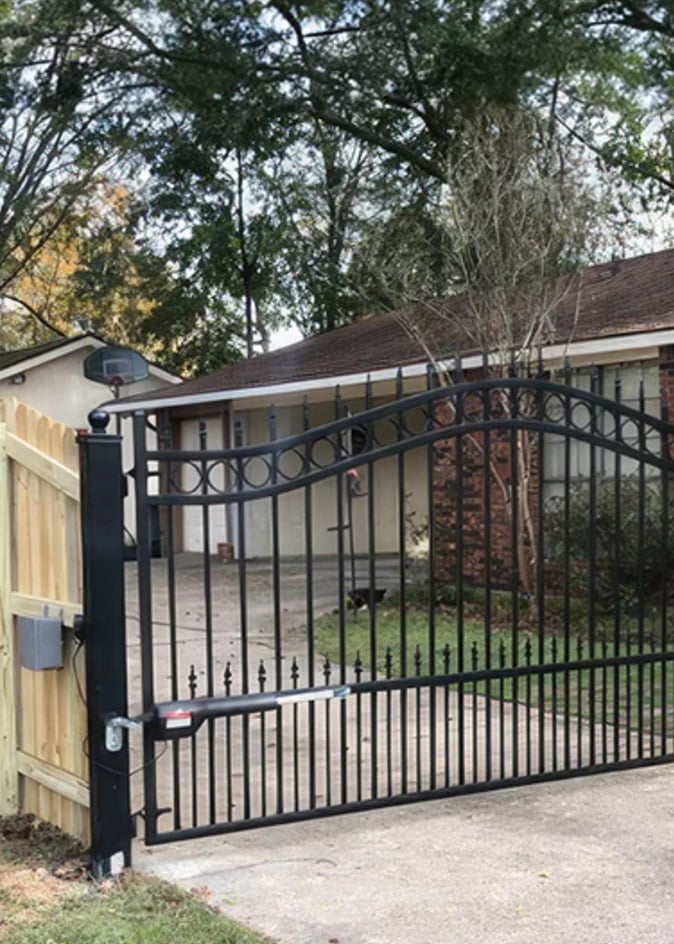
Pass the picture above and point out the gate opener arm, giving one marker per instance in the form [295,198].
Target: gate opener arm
[176,719]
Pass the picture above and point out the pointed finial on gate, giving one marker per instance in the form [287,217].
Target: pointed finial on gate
[98,421]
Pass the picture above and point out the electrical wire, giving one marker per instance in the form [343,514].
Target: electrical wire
[76,652]
[119,773]
[85,742]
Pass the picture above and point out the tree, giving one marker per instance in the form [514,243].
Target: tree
[515,229]
[55,138]
[266,142]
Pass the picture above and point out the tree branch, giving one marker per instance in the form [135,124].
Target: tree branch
[35,313]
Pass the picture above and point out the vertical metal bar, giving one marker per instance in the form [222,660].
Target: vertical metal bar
[604,703]
[540,583]
[262,677]
[103,587]
[527,685]
[641,540]
[617,551]
[628,696]
[664,487]
[388,666]
[208,620]
[459,578]
[515,576]
[327,669]
[579,704]
[501,709]
[192,687]
[276,596]
[173,636]
[342,487]
[554,655]
[567,579]
[402,574]
[294,677]
[227,683]
[417,672]
[358,673]
[432,694]
[486,474]
[592,574]
[309,571]
[144,576]
[474,662]
[243,612]
[651,698]
[446,656]
[372,612]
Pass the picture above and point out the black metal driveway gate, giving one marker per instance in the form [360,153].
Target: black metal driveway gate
[494,610]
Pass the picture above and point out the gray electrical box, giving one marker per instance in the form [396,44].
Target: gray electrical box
[40,642]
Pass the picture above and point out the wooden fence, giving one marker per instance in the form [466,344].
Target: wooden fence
[43,764]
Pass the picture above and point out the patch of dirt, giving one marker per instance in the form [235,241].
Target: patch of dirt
[39,867]
[30,841]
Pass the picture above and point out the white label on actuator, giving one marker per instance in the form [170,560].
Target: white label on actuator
[179,719]
[320,695]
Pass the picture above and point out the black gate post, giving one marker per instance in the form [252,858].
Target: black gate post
[105,640]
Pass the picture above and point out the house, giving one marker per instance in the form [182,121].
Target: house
[616,319]
[50,378]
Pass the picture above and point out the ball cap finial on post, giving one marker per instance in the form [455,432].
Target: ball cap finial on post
[98,421]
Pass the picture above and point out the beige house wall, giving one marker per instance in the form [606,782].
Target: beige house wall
[379,484]
[59,390]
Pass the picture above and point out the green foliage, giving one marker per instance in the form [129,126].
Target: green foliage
[634,553]
[278,155]
[132,910]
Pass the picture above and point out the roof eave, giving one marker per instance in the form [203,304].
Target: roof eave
[630,346]
[30,363]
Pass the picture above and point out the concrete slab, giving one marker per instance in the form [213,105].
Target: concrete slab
[590,859]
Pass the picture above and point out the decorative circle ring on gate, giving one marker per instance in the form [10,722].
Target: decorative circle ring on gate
[629,430]
[223,470]
[178,477]
[334,451]
[290,464]
[581,416]
[554,408]
[256,471]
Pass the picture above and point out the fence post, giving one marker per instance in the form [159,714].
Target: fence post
[9,775]
[105,640]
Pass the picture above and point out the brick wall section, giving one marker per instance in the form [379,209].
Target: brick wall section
[445,492]
[481,456]
[446,486]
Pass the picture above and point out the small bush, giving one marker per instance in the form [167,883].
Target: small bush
[628,567]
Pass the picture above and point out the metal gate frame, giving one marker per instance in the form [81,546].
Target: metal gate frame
[484,410]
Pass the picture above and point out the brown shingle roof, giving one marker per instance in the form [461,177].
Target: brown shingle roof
[10,358]
[624,297]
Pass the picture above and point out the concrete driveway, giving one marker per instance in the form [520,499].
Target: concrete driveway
[590,859]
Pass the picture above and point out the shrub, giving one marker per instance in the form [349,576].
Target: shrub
[625,568]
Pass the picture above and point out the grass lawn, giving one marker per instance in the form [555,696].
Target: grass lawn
[624,688]
[47,897]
